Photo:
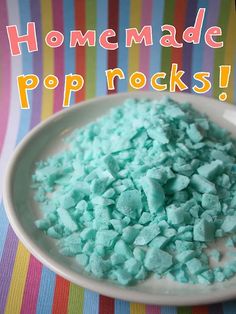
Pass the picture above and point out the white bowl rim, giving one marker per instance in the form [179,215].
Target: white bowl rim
[102,287]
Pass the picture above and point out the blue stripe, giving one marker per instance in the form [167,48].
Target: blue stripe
[101,64]
[69,25]
[27,66]
[229,307]
[198,50]
[156,49]
[3,227]
[124,13]
[91,302]
[122,307]
[46,292]
[168,310]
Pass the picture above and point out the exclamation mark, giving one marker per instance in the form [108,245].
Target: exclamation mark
[224,80]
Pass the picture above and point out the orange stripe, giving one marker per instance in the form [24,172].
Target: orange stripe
[61,296]
[200,309]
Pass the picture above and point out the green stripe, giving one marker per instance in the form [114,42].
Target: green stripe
[76,300]
[230,50]
[220,52]
[90,51]
[184,310]
[166,51]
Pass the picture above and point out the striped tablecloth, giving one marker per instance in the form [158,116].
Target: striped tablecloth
[26,286]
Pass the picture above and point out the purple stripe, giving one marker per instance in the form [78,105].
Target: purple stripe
[215,309]
[37,64]
[145,51]
[6,266]
[208,55]
[187,48]
[153,309]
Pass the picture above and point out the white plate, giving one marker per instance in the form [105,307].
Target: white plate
[21,210]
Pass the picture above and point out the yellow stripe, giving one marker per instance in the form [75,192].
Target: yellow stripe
[76,300]
[137,308]
[48,58]
[15,293]
[230,51]
[134,51]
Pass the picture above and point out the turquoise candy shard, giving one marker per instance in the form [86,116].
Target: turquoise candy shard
[219,155]
[129,234]
[66,219]
[211,170]
[177,184]
[117,259]
[202,185]
[82,259]
[195,266]
[215,254]
[106,238]
[159,242]
[157,260]
[142,274]
[88,234]
[139,253]
[174,112]
[145,218]
[211,201]
[98,186]
[158,134]
[154,193]
[175,215]
[229,224]
[132,266]
[129,203]
[203,231]
[122,248]
[185,256]
[194,133]
[147,234]
[123,276]
[159,174]
[98,266]
[111,164]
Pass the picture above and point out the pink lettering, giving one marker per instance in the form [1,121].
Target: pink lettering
[14,39]
[145,35]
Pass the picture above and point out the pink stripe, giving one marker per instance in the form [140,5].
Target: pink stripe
[5,67]
[32,285]
[153,309]
[145,51]
[57,7]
